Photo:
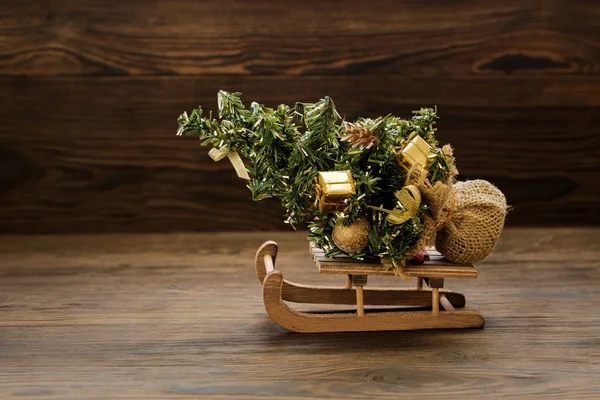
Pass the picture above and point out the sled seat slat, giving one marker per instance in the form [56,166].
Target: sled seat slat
[435,267]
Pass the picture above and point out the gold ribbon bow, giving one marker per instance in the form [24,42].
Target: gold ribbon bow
[234,157]
[410,200]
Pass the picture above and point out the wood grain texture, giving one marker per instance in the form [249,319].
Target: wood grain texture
[90,91]
[59,37]
[174,315]
[113,163]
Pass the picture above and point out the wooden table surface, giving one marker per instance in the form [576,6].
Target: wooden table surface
[181,315]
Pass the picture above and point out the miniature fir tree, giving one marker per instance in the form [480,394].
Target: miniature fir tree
[286,148]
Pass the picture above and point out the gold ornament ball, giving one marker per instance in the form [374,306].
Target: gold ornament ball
[351,238]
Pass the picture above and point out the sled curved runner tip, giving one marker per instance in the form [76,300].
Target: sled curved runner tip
[276,290]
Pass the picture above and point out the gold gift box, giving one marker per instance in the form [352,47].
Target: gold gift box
[417,151]
[333,189]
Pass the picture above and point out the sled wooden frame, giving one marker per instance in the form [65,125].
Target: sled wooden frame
[424,311]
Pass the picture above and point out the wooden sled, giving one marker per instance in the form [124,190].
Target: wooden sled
[276,290]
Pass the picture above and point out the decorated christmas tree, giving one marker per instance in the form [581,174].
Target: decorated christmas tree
[370,188]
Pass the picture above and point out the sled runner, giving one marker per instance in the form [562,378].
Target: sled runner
[420,306]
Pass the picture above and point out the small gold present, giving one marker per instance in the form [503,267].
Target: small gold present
[333,189]
[417,151]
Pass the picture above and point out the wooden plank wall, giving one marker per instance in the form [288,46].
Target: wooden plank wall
[90,92]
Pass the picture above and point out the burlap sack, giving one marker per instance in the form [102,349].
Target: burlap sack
[473,229]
